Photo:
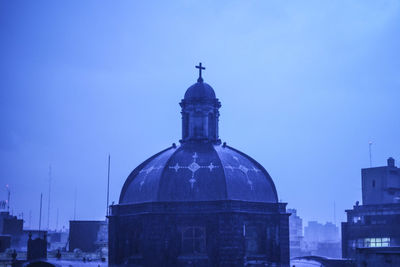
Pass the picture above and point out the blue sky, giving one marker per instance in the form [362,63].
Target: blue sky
[304,86]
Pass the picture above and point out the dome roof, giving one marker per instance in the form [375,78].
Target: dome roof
[200,90]
[198,172]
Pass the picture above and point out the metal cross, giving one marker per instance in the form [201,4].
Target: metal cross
[200,67]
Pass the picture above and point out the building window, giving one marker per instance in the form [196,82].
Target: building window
[193,240]
[373,183]
[197,126]
[185,127]
[133,242]
[356,219]
[211,125]
[373,242]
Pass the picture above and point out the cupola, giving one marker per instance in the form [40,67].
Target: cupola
[200,112]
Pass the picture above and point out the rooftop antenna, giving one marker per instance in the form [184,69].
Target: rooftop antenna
[48,204]
[40,212]
[75,203]
[8,198]
[108,185]
[370,154]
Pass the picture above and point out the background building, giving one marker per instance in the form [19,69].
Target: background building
[316,232]
[381,185]
[295,233]
[88,236]
[11,226]
[376,222]
[12,233]
[321,240]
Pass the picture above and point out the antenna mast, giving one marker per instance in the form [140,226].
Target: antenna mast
[108,185]
[48,204]
[40,212]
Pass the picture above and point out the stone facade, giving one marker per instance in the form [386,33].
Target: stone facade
[217,233]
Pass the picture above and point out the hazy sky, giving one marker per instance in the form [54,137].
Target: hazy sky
[304,86]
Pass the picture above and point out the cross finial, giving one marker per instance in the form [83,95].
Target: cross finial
[200,67]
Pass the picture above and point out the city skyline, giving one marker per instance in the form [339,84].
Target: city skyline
[304,89]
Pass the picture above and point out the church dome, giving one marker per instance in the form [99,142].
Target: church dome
[200,169]
[199,172]
[200,90]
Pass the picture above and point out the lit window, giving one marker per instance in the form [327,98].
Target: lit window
[356,219]
[376,242]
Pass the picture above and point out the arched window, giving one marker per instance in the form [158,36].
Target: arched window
[211,125]
[198,125]
[134,246]
[252,240]
[185,126]
[193,240]
[133,241]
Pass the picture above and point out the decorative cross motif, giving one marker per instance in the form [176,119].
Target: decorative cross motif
[200,67]
[243,169]
[146,172]
[193,167]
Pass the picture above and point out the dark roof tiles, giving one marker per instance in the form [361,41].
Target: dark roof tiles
[199,172]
